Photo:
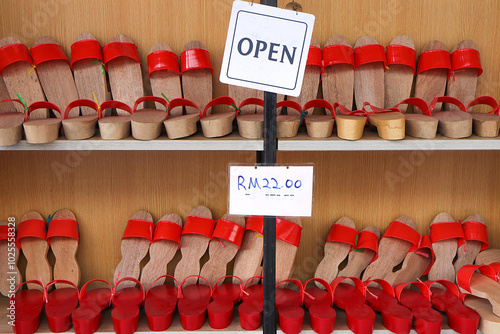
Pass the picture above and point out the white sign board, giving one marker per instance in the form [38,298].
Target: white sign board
[271,190]
[266,48]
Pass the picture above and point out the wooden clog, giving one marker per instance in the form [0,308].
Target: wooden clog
[394,244]
[485,124]
[434,65]
[365,253]
[466,68]
[338,75]
[287,126]
[453,124]
[445,234]
[419,124]
[147,123]
[251,125]
[88,69]
[63,237]
[164,74]
[481,281]
[56,78]
[226,241]
[43,130]
[80,127]
[248,260]
[490,322]
[195,238]
[11,124]
[240,94]
[31,238]
[221,124]
[9,273]
[398,77]
[115,127]
[134,247]
[476,240]
[14,75]
[124,69]
[184,125]
[288,232]
[340,241]
[196,71]
[165,243]
[319,126]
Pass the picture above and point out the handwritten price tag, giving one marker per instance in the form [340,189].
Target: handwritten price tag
[271,190]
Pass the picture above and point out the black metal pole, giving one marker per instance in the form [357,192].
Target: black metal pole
[269,158]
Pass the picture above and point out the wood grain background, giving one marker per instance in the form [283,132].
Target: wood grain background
[104,189]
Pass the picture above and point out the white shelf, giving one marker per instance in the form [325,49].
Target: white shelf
[371,142]
[232,142]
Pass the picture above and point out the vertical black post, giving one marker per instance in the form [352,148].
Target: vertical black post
[269,158]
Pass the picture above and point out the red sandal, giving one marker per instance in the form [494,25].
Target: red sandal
[250,311]
[319,303]
[87,318]
[225,296]
[160,304]
[289,306]
[59,304]
[26,307]
[127,303]
[193,303]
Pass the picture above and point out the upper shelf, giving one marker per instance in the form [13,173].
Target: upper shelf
[234,142]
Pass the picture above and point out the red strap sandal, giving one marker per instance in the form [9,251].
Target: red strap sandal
[160,304]
[26,307]
[250,311]
[319,302]
[116,127]
[461,318]
[289,306]
[225,296]
[127,303]
[352,298]
[427,320]
[59,305]
[395,317]
[87,318]
[193,302]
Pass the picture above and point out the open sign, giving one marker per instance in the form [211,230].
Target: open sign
[266,48]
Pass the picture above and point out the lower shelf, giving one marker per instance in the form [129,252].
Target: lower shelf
[107,325]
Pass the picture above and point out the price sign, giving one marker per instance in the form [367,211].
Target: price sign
[271,190]
[266,48]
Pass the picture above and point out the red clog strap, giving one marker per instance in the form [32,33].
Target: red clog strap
[466,58]
[163,60]
[167,230]
[367,240]
[419,103]
[367,54]
[225,100]
[314,57]
[475,231]
[402,231]
[424,290]
[487,100]
[115,50]
[425,243]
[357,283]
[345,111]
[180,102]
[448,99]
[15,100]
[13,53]
[46,52]
[338,54]
[376,110]
[31,281]
[157,99]
[83,290]
[198,225]
[322,282]
[129,279]
[191,276]
[401,55]
[81,103]
[35,228]
[164,276]
[288,232]
[296,108]
[344,234]
[86,49]
[251,101]
[63,228]
[320,103]
[255,223]
[230,231]
[434,59]
[62,281]
[220,280]
[114,104]
[386,286]
[40,105]
[139,228]
[251,279]
[195,58]
[465,273]
[449,286]
[297,283]
[446,230]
